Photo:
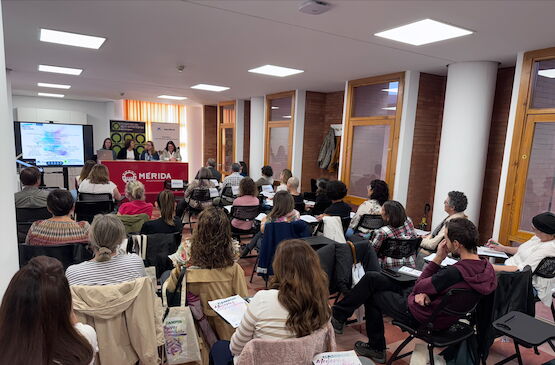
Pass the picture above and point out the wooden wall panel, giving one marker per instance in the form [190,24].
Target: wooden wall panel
[247,134]
[210,132]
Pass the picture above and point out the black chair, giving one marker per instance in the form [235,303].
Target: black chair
[67,254]
[202,195]
[227,192]
[25,217]
[86,210]
[345,222]
[158,247]
[546,269]
[399,248]
[369,222]
[300,207]
[456,303]
[94,197]
[246,213]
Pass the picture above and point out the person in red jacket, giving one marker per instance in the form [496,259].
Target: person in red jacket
[414,305]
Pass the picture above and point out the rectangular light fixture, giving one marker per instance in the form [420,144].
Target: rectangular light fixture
[53,86]
[547,73]
[71,39]
[390,108]
[209,87]
[51,95]
[60,70]
[423,32]
[171,97]
[277,71]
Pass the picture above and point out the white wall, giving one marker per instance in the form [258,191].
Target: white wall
[239,129]
[298,134]
[256,152]
[9,259]
[98,113]
[195,128]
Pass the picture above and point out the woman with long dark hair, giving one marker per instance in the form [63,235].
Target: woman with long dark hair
[168,222]
[37,324]
[296,305]
[378,193]
[128,152]
[108,144]
[171,152]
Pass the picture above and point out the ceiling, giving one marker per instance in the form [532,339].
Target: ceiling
[218,41]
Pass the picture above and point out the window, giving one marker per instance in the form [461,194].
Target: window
[279,131]
[372,132]
[226,136]
[531,177]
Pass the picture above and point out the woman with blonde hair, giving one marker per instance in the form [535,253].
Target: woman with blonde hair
[284,176]
[98,182]
[85,171]
[296,305]
[135,193]
[109,265]
[168,222]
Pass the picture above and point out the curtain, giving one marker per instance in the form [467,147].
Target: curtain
[148,112]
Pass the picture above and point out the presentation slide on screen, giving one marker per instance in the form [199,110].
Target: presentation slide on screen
[52,144]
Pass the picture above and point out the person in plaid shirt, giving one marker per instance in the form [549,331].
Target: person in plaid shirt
[398,225]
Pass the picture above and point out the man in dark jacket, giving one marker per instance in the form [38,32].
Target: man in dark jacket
[415,305]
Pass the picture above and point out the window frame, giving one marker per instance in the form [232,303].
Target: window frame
[394,122]
[268,125]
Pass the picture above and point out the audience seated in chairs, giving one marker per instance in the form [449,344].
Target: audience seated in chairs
[98,182]
[532,252]
[336,191]
[414,306]
[378,194]
[109,265]
[293,189]
[135,193]
[282,211]
[168,222]
[232,180]
[85,171]
[454,205]
[202,182]
[321,201]
[296,305]
[244,169]
[37,324]
[267,177]
[30,196]
[209,257]
[59,229]
[247,198]
[25,217]
[284,177]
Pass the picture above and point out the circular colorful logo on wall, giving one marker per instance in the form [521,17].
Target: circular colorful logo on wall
[128,176]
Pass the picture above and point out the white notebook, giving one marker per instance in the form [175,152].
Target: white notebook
[337,358]
[446,262]
[309,218]
[410,271]
[230,309]
[486,251]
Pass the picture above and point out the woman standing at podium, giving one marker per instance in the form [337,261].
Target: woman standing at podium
[128,152]
[149,154]
[171,153]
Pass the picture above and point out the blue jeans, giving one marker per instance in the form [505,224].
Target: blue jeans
[350,232]
[220,354]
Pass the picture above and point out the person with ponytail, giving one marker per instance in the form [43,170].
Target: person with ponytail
[37,324]
[168,222]
[296,305]
[109,265]
[135,193]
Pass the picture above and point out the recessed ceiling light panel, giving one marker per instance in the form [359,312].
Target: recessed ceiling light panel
[171,97]
[53,86]
[547,73]
[423,32]
[60,70]
[210,87]
[275,71]
[71,39]
[51,95]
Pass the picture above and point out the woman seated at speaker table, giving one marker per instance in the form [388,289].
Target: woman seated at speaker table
[109,145]
[248,196]
[171,153]
[109,265]
[168,222]
[135,193]
[454,205]
[98,182]
[128,152]
[37,323]
[149,154]
[266,178]
[203,182]
[378,193]
[85,171]
[296,305]
[283,178]
[336,191]
[397,225]
[60,229]
[531,253]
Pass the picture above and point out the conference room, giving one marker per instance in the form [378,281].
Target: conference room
[253,182]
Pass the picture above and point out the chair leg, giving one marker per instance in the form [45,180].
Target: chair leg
[431,353]
[254,269]
[518,353]
[398,350]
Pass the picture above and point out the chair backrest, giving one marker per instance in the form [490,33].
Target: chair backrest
[87,197]
[300,207]
[228,192]
[159,247]
[399,248]
[245,212]
[201,194]
[370,221]
[456,303]
[345,221]
[86,210]
[546,268]
[67,254]
[25,218]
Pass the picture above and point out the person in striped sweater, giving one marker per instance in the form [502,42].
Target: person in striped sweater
[61,228]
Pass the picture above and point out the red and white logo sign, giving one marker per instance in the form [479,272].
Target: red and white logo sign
[128,176]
